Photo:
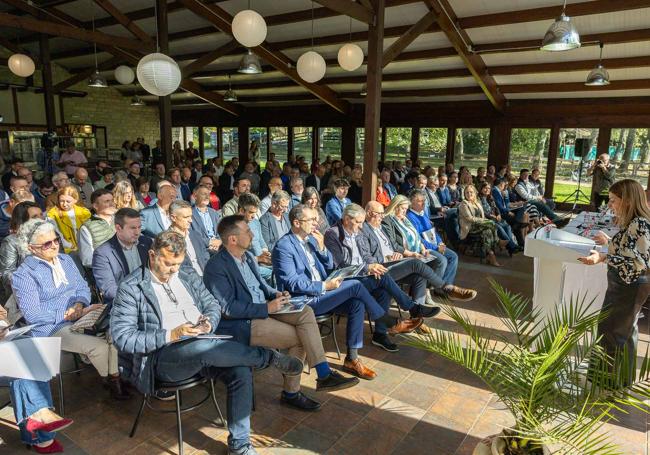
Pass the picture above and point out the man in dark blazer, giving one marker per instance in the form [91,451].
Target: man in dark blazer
[302,263]
[123,253]
[155,219]
[248,308]
[204,218]
[180,213]
[315,179]
[275,222]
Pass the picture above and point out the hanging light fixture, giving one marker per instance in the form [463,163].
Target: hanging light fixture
[136,101]
[562,35]
[230,94]
[96,79]
[598,76]
[350,55]
[311,65]
[21,65]
[250,64]
[249,27]
[363,91]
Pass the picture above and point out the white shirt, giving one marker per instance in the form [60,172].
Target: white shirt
[350,240]
[315,274]
[191,253]
[384,242]
[176,304]
[58,274]
[164,217]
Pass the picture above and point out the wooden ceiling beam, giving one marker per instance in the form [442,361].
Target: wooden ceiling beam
[350,8]
[108,64]
[66,31]
[408,37]
[561,67]
[223,20]
[212,97]
[210,57]
[461,41]
[629,84]
[123,19]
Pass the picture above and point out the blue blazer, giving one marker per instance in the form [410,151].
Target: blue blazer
[444,196]
[201,245]
[269,229]
[110,266]
[224,280]
[152,224]
[334,209]
[501,202]
[292,269]
[197,221]
[390,189]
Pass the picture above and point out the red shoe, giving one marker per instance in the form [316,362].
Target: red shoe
[55,447]
[33,426]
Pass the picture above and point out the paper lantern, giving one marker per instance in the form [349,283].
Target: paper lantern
[311,66]
[124,75]
[249,28]
[158,74]
[350,57]
[21,65]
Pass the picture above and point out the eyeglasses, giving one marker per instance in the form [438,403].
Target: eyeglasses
[54,243]
[311,220]
[170,293]
[373,213]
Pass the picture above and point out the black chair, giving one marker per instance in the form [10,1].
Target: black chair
[79,366]
[327,326]
[177,388]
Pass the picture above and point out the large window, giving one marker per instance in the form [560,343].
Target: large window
[210,134]
[529,148]
[329,143]
[433,146]
[279,142]
[302,140]
[471,148]
[257,141]
[360,141]
[629,151]
[571,169]
[230,139]
[398,144]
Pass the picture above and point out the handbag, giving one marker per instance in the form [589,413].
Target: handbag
[95,322]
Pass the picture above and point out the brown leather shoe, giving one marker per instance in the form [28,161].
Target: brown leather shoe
[358,369]
[461,294]
[406,326]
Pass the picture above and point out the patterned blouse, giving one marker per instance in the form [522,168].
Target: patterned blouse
[630,250]
[410,234]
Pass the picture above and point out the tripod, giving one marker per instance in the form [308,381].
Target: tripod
[577,193]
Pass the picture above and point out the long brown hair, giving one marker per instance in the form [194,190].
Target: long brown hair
[633,201]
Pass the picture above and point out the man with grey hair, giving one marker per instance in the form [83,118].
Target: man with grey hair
[297,186]
[248,204]
[342,240]
[197,245]
[163,303]
[59,180]
[275,222]
[155,218]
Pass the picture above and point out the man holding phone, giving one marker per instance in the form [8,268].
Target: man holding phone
[604,174]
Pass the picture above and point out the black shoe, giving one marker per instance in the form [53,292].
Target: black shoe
[388,320]
[421,311]
[335,381]
[287,364]
[300,401]
[382,340]
[113,385]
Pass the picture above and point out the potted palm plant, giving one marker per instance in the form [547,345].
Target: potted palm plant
[550,373]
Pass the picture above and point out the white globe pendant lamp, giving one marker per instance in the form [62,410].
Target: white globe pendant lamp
[21,65]
[350,57]
[311,66]
[249,28]
[124,75]
[158,74]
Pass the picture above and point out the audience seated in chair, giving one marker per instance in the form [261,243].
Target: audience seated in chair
[99,228]
[155,219]
[68,216]
[335,206]
[275,222]
[204,218]
[197,249]
[248,208]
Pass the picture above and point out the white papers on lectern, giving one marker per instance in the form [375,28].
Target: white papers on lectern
[31,358]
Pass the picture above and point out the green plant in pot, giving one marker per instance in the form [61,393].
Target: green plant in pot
[550,373]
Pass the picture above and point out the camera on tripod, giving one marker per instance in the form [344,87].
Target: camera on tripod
[49,140]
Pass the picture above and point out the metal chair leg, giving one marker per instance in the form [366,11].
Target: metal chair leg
[61,400]
[336,343]
[137,418]
[253,407]
[178,422]
[216,405]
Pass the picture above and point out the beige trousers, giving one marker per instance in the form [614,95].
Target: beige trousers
[297,332]
[101,353]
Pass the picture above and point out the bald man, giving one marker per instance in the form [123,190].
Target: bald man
[83,185]
[275,184]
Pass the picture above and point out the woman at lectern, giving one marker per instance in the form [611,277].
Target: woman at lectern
[628,260]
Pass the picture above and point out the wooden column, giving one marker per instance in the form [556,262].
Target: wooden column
[61,110]
[164,102]
[48,93]
[553,147]
[604,136]
[415,143]
[315,142]
[347,144]
[451,143]
[268,143]
[243,144]
[382,145]
[373,100]
[14,99]
[220,142]
[290,142]
[201,145]
[499,147]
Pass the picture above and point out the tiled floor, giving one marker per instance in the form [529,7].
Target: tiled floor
[419,403]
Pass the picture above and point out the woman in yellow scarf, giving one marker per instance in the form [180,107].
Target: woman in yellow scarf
[68,216]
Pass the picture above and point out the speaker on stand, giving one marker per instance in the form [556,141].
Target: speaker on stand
[581,149]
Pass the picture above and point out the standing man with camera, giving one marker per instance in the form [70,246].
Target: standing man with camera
[603,177]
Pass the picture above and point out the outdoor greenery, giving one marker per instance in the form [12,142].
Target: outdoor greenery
[538,371]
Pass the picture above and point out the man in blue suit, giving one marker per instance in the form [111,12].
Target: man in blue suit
[155,219]
[122,254]
[197,254]
[204,218]
[389,187]
[249,313]
[301,264]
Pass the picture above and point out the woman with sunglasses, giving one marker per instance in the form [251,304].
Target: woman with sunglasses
[52,294]
[68,216]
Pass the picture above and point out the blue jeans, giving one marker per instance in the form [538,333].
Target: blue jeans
[504,232]
[27,397]
[382,290]
[229,361]
[448,264]
[416,273]
[544,209]
[353,300]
